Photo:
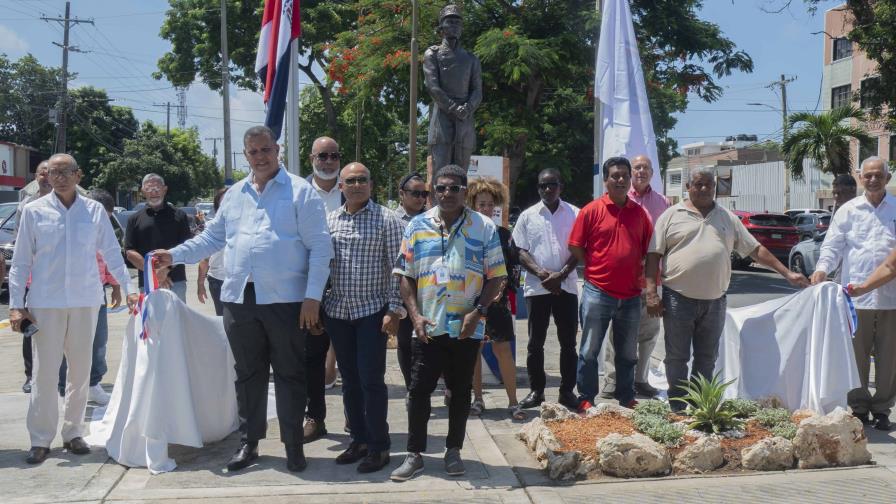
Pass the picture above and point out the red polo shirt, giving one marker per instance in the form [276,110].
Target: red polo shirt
[615,241]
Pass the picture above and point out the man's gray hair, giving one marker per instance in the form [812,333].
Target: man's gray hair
[68,158]
[256,131]
[872,159]
[701,171]
[152,177]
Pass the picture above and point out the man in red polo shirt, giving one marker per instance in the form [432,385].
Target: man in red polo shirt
[611,235]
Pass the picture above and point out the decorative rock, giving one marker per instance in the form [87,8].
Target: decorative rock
[702,456]
[602,408]
[769,454]
[563,466]
[835,439]
[635,456]
[586,466]
[771,402]
[807,413]
[546,445]
[555,411]
[530,432]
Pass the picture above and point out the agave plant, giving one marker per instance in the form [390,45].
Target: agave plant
[708,409]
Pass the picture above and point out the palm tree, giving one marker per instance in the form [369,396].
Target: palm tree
[825,138]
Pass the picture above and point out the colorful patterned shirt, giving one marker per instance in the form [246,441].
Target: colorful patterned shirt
[470,252]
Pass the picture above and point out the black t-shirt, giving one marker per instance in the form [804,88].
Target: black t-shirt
[149,230]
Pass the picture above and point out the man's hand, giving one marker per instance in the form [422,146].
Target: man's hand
[654,305]
[17,316]
[552,282]
[818,277]
[471,322]
[797,279]
[116,296]
[162,277]
[200,292]
[162,258]
[857,290]
[132,301]
[420,323]
[390,323]
[309,318]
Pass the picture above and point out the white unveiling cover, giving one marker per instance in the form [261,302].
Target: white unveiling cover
[175,386]
[797,348]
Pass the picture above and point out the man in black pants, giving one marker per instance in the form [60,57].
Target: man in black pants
[541,234]
[277,259]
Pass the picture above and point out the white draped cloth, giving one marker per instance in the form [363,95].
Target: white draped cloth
[797,348]
[175,386]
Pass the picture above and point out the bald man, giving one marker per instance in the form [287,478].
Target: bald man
[63,300]
[362,307]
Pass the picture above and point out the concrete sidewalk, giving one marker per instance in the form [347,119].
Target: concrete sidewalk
[499,468]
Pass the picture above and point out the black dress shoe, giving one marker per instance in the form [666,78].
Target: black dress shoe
[534,399]
[354,453]
[77,446]
[569,400]
[244,456]
[881,422]
[37,455]
[26,387]
[865,418]
[374,461]
[646,390]
[295,458]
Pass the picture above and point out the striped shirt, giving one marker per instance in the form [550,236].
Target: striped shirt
[470,251]
[366,245]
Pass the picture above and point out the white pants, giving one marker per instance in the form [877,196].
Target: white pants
[61,331]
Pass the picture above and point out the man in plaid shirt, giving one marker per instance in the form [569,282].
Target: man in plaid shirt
[363,306]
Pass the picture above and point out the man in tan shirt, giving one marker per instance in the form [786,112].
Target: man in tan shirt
[696,238]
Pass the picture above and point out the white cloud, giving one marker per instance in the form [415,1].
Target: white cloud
[10,42]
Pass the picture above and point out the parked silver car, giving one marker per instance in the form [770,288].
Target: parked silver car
[804,255]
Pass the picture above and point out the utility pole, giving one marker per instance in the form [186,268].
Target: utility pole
[225,85]
[412,121]
[66,23]
[167,106]
[182,108]
[783,85]
[215,147]
[597,181]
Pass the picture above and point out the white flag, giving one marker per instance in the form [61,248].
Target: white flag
[626,126]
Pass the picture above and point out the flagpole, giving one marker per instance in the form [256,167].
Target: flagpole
[292,111]
[225,86]
[597,179]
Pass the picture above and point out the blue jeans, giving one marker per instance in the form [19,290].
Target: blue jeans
[360,347]
[98,366]
[597,311]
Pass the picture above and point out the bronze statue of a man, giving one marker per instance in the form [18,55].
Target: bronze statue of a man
[453,77]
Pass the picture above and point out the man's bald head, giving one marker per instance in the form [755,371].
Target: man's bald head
[642,173]
[63,161]
[354,169]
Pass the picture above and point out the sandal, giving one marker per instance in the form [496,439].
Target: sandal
[477,407]
[517,413]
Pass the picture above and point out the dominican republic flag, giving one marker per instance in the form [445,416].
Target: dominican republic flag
[280,25]
[150,285]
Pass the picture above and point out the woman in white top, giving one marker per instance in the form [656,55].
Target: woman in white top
[213,269]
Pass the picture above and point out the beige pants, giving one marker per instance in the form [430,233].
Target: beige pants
[877,332]
[648,333]
[61,331]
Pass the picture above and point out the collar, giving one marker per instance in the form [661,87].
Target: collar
[633,193]
[681,206]
[152,211]
[58,203]
[865,201]
[561,206]
[366,208]
[281,177]
[401,212]
[433,215]
[605,198]
[319,189]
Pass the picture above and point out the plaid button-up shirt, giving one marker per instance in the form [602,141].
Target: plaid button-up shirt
[366,244]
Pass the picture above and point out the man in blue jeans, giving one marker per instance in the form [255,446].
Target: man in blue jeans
[610,236]
[696,237]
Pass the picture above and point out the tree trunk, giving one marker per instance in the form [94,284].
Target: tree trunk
[326,96]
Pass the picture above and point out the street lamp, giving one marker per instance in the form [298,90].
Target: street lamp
[783,137]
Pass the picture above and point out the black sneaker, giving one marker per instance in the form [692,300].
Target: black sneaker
[374,461]
[881,422]
[533,400]
[569,400]
[646,390]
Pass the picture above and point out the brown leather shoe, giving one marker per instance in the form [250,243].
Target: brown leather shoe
[77,446]
[313,430]
[37,455]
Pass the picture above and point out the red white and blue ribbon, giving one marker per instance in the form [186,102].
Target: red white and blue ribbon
[150,285]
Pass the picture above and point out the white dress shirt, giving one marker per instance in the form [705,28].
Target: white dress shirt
[332,198]
[56,247]
[544,235]
[861,236]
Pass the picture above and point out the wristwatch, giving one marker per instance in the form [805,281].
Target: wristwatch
[483,310]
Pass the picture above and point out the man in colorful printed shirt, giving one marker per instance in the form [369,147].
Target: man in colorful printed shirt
[452,269]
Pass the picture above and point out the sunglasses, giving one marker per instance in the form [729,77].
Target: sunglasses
[322,156]
[548,185]
[454,189]
[355,181]
[417,194]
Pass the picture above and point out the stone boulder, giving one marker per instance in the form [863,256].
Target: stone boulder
[635,456]
[702,456]
[530,432]
[835,439]
[563,466]
[586,466]
[602,408]
[546,445]
[769,454]
[555,411]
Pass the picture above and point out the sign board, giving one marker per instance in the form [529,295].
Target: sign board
[6,158]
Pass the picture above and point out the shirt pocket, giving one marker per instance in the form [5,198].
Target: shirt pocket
[48,235]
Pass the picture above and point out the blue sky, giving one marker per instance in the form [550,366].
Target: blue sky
[126,46]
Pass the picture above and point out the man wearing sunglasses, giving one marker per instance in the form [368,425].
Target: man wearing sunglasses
[452,269]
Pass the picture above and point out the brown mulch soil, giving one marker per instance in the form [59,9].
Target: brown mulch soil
[582,434]
[797,418]
[731,448]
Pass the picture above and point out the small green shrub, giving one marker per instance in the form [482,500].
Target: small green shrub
[770,417]
[653,407]
[709,411]
[786,430]
[743,408]
[658,429]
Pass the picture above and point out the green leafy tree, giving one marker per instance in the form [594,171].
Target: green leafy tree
[825,138]
[97,129]
[28,90]
[178,158]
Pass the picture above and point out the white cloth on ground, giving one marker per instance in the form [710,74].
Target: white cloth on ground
[176,386]
[797,348]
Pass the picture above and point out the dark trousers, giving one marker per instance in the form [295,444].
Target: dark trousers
[26,356]
[690,323]
[214,289]
[455,358]
[360,347]
[316,348]
[405,350]
[263,337]
[565,310]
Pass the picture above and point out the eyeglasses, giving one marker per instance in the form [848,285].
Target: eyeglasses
[322,156]
[454,189]
[266,151]
[153,188]
[417,194]
[355,181]
[61,174]
[544,186]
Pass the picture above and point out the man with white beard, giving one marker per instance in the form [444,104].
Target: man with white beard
[320,360]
